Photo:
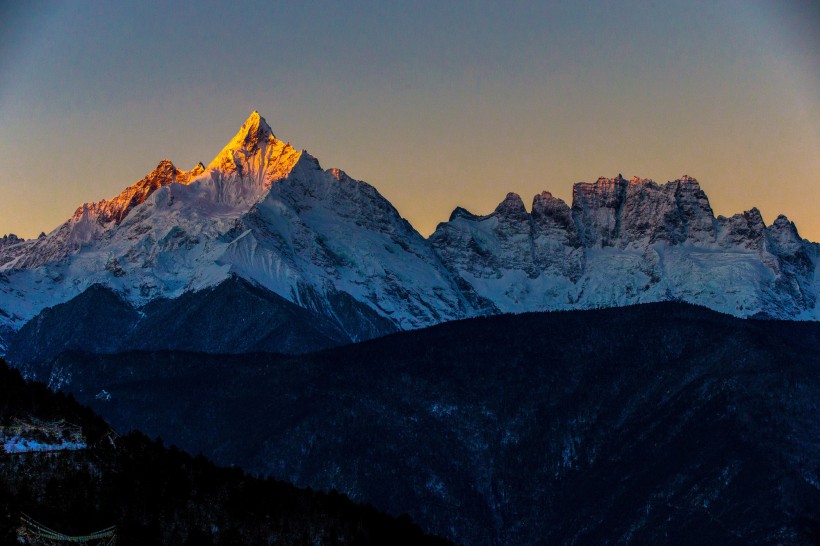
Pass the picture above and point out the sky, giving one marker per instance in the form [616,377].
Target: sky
[436,104]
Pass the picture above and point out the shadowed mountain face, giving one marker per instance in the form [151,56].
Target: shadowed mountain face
[662,423]
[232,317]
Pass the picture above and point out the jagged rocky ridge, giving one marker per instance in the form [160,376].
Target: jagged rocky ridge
[267,213]
[630,241]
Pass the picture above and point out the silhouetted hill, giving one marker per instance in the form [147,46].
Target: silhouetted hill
[660,423]
[232,317]
[157,495]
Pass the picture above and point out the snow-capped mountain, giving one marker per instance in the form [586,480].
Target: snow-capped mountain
[631,241]
[261,211]
[264,212]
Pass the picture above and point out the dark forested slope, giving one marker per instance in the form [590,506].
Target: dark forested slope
[660,423]
[157,495]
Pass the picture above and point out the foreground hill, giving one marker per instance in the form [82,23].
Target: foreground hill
[652,424]
[156,495]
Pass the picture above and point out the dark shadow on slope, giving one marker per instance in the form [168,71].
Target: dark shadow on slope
[232,317]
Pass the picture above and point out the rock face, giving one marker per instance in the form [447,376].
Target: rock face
[620,213]
[267,213]
[320,233]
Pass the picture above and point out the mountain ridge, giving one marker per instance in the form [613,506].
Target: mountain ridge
[269,213]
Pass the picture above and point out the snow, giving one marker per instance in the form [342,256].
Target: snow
[18,444]
[639,242]
[267,212]
[103,395]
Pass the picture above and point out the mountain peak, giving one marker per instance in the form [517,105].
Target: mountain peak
[257,121]
[164,166]
[254,130]
[254,135]
[512,206]
[544,201]
[461,212]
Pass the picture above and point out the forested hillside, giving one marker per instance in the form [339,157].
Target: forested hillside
[652,424]
[154,494]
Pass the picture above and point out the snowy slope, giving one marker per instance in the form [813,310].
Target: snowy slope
[323,232]
[261,210]
[268,213]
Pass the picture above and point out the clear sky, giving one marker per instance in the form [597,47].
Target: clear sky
[437,104]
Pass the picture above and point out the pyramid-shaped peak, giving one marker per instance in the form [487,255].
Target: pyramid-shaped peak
[256,120]
[253,132]
[254,129]
[254,135]
[754,217]
[461,212]
[784,229]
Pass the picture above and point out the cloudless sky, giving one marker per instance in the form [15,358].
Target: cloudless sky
[436,104]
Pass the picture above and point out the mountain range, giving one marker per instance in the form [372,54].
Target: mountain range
[595,372]
[328,260]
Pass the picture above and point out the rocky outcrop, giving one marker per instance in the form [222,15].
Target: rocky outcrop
[9,240]
[165,173]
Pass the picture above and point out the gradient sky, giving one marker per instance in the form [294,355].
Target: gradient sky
[436,104]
